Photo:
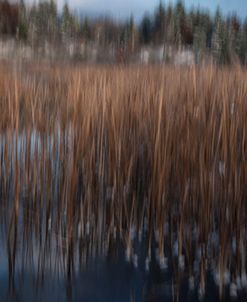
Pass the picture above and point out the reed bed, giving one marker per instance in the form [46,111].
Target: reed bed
[94,155]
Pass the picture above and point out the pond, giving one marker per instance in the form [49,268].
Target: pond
[68,235]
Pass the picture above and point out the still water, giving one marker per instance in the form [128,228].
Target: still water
[109,278]
[41,275]
[64,240]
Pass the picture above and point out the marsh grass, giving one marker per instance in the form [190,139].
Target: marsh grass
[90,155]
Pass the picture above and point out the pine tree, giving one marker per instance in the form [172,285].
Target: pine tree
[67,21]
[86,30]
[146,29]
[220,40]
[23,22]
[159,24]
[179,22]
[242,50]
[170,26]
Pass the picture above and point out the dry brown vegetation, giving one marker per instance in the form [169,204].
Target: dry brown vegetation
[91,154]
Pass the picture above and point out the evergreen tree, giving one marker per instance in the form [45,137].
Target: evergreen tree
[242,50]
[146,30]
[69,25]
[170,26]
[128,35]
[86,30]
[159,24]
[179,14]
[45,21]
[132,33]
[23,22]
[220,40]
[234,34]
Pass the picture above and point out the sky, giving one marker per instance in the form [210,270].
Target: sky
[120,9]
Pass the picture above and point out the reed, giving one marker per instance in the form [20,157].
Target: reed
[90,155]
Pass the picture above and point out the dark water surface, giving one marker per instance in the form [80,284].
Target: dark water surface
[65,238]
[102,279]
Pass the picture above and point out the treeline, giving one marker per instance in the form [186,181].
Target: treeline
[225,38]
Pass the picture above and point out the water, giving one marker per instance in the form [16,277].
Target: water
[101,279]
[44,274]
[60,242]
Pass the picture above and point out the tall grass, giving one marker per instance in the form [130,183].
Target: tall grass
[94,154]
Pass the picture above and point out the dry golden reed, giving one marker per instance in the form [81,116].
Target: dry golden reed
[94,154]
